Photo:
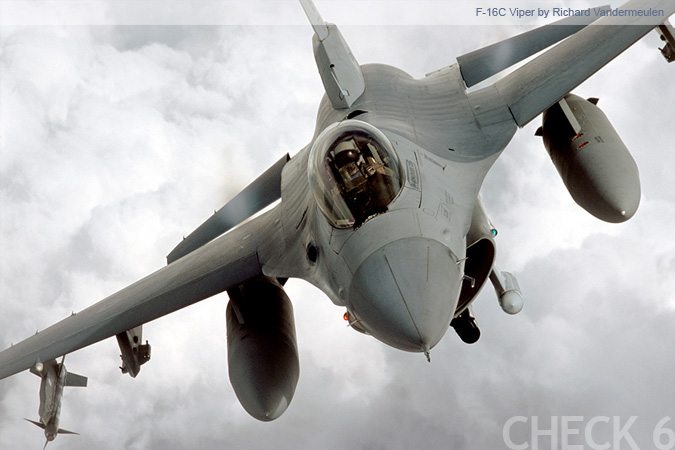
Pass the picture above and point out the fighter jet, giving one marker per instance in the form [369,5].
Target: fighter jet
[381,209]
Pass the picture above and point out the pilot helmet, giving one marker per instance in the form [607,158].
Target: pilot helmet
[346,152]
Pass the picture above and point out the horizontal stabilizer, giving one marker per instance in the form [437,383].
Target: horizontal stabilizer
[262,192]
[483,63]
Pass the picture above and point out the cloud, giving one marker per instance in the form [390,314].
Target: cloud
[117,140]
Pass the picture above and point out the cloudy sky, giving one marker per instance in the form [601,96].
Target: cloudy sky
[125,124]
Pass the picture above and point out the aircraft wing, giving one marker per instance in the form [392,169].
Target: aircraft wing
[534,87]
[215,267]
[481,64]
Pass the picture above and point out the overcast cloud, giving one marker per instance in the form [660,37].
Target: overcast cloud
[118,139]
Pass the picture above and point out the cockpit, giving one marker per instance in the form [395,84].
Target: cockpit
[354,173]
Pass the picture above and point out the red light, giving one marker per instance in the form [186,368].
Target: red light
[582,145]
[346,316]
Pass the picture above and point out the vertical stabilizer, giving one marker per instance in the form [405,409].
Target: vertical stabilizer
[340,72]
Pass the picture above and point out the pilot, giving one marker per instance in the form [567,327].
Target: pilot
[365,183]
[380,185]
[347,160]
[348,168]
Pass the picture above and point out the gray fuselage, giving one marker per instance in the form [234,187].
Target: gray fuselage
[399,273]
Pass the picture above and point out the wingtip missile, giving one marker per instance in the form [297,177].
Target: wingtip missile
[54,378]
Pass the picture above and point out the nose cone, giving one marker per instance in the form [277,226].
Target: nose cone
[51,430]
[406,292]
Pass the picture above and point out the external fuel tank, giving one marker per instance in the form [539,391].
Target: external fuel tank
[262,350]
[592,160]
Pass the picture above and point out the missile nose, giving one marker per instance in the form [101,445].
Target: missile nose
[406,292]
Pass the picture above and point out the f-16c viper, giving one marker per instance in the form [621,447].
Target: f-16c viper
[381,210]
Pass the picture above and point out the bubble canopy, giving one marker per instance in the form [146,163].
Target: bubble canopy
[354,172]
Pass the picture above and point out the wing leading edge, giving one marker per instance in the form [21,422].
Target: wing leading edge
[217,266]
[262,192]
[534,87]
